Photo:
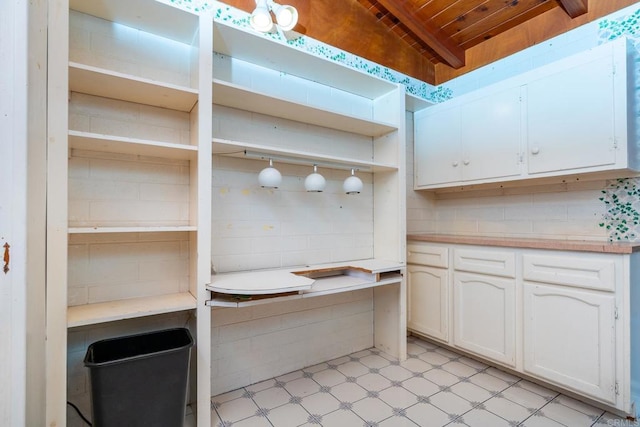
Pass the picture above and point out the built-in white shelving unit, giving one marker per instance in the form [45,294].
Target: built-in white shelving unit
[129,178]
[353,120]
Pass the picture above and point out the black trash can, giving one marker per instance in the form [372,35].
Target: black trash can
[140,380]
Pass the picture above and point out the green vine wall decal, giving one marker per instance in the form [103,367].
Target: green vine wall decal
[622,196]
[622,217]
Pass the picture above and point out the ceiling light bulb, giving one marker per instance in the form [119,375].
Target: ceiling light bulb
[353,184]
[270,177]
[315,182]
[261,18]
[286,16]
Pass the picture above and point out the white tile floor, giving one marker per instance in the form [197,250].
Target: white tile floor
[434,387]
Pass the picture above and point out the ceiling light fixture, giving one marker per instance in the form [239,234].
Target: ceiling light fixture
[286,16]
[270,177]
[353,184]
[315,182]
[261,18]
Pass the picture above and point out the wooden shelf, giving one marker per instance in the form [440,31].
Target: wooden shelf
[134,229]
[125,87]
[91,314]
[234,96]
[237,148]
[140,147]
[260,49]
[147,15]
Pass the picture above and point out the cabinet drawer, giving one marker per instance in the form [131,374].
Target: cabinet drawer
[580,271]
[495,263]
[434,256]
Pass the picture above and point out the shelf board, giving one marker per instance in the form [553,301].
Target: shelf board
[260,49]
[134,229]
[125,87]
[324,286]
[147,15]
[234,96]
[265,286]
[91,314]
[414,103]
[124,145]
[237,148]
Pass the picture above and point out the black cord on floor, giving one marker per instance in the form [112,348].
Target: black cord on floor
[79,413]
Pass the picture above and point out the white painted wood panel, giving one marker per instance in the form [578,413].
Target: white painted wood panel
[438,145]
[428,301]
[424,254]
[485,261]
[584,271]
[570,120]
[569,339]
[484,315]
[13,212]
[491,132]
[234,96]
[110,84]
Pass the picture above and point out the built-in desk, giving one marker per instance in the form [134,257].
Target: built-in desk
[248,288]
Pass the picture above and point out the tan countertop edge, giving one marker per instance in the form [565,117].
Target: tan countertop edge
[515,242]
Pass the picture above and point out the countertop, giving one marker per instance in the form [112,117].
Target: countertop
[516,242]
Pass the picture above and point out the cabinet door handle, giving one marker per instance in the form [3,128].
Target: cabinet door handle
[535,150]
[455,164]
[466,161]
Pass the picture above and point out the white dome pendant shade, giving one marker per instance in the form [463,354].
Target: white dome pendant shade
[315,182]
[353,184]
[270,177]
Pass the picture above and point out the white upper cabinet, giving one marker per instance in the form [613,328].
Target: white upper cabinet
[491,135]
[469,139]
[437,146]
[568,119]
[577,115]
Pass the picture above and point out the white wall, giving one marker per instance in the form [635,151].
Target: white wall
[561,211]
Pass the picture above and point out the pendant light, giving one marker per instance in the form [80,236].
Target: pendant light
[353,184]
[270,177]
[315,182]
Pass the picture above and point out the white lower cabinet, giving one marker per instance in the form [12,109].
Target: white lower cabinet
[569,338]
[428,294]
[567,318]
[484,316]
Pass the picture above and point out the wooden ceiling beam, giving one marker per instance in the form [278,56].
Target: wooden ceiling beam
[574,7]
[426,31]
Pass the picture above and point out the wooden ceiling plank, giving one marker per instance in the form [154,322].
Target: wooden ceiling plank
[507,24]
[574,8]
[428,33]
[493,18]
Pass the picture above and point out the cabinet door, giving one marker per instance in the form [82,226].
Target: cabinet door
[569,339]
[437,145]
[571,118]
[428,293]
[484,316]
[490,134]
